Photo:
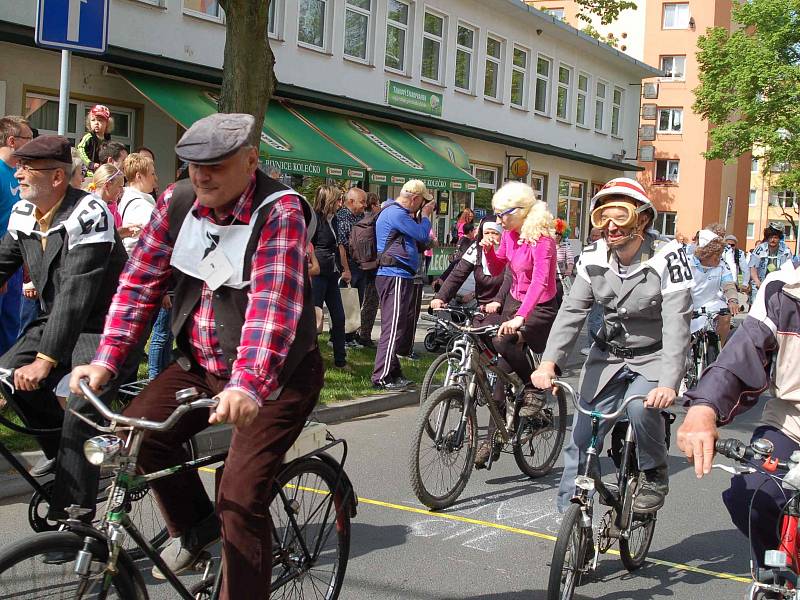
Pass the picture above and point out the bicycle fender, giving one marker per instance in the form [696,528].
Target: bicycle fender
[347,486]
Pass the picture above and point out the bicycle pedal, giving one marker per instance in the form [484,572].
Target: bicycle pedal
[202,561]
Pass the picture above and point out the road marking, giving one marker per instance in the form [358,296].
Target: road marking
[520,531]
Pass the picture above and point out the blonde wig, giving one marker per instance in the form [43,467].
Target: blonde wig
[538,220]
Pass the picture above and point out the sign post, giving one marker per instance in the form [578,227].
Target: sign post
[69,25]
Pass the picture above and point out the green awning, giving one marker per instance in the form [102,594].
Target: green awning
[444,146]
[393,155]
[287,141]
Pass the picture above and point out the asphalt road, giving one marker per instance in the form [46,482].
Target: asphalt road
[496,542]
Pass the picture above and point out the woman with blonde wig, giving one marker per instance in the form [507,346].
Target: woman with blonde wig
[528,246]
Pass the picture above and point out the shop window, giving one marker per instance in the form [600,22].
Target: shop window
[487,185]
[665,223]
[204,8]
[539,185]
[582,99]
[311,23]
[493,68]
[752,200]
[357,16]
[667,171]
[571,201]
[465,55]
[397,33]
[432,44]
[519,78]
[676,16]
[616,109]
[751,231]
[563,93]
[670,120]
[674,67]
[599,106]
[542,98]
[275,18]
[42,113]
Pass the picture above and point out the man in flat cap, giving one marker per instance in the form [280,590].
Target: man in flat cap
[67,241]
[233,241]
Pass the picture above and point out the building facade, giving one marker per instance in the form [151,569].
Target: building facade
[688,189]
[769,203]
[380,85]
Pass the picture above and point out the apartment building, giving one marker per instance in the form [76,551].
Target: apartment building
[690,191]
[769,203]
[464,94]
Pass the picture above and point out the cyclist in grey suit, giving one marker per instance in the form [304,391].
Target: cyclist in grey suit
[644,286]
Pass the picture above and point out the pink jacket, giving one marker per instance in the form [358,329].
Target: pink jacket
[533,268]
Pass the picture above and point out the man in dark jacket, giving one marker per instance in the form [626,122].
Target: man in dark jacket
[67,241]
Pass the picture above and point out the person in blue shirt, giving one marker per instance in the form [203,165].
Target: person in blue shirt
[15,132]
[397,237]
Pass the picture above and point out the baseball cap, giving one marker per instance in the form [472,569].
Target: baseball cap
[99,110]
[418,188]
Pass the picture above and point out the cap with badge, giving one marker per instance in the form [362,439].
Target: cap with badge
[46,147]
[215,138]
[417,188]
[704,236]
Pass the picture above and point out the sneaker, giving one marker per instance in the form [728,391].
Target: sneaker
[45,466]
[391,386]
[585,351]
[652,490]
[181,553]
[366,343]
[412,356]
[483,453]
[353,344]
[532,401]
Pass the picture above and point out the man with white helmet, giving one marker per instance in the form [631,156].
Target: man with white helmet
[644,285]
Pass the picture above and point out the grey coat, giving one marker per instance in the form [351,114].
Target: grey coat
[651,303]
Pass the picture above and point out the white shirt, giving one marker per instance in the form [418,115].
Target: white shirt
[707,288]
[135,208]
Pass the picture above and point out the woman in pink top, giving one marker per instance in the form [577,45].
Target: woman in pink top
[528,246]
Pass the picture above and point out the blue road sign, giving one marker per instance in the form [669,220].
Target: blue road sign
[80,25]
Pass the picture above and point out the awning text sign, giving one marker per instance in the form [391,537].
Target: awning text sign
[408,97]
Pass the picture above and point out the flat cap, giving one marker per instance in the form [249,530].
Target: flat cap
[214,138]
[46,147]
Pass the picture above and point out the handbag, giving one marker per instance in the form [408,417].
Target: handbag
[352,308]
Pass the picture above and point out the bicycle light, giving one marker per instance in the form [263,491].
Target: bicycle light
[102,448]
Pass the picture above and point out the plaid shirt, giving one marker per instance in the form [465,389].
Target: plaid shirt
[273,310]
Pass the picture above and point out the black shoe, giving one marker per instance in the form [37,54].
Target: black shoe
[401,385]
[45,466]
[652,491]
[412,356]
[366,343]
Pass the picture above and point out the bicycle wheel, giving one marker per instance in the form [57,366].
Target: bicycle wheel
[572,548]
[633,550]
[541,437]
[439,472]
[430,342]
[436,377]
[42,567]
[322,515]
[712,351]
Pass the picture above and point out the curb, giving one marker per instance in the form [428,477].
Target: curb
[361,407]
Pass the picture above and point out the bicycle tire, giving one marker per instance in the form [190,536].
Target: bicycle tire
[21,562]
[303,478]
[712,352]
[572,543]
[633,551]
[540,432]
[430,342]
[450,401]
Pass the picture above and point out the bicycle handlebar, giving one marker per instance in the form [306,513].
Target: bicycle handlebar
[137,423]
[760,450]
[589,413]
[485,330]
[702,311]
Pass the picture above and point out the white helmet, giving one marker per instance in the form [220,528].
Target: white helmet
[624,186]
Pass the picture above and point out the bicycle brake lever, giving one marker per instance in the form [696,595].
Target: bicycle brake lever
[88,421]
[733,470]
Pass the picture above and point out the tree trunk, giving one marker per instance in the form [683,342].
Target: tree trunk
[248,76]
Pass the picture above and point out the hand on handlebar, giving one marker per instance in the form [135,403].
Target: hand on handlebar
[96,375]
[544,376]
[697,436]
[492,308]
[437,304]
[511,326]
[660,397]
[235,407]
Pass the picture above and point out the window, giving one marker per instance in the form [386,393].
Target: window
[751,231]
[519,78]
[665,223]
[674,67]
[562,97]
[752,201]
[492,74]
[42,112]
[676,16]
[788,232]
[538,185]
[558,13]
[783,198]
[599,106]
[465,51]
[616,110]
[754,165]
[432,42]
[311,24]
[667,171]
[487,186]
[206,8]
[670,120]
[581,117]
[541,102]
[396,35]
[356,27]
[274,18]
[570,205]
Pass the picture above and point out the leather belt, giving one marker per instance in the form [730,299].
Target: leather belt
[623,351]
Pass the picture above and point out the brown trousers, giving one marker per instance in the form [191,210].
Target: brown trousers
[255,455]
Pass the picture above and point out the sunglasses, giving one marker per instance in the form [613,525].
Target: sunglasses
[506,212]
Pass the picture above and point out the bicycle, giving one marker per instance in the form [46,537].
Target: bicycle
[780,578]
[446,433]
[705,346]
[576,552]
[141,504]
[311,532]
[439,336]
